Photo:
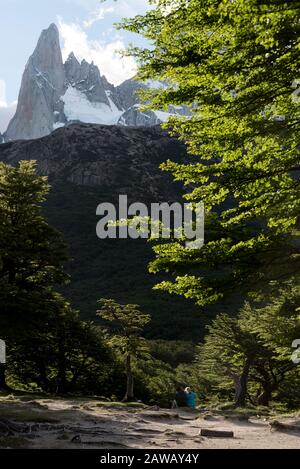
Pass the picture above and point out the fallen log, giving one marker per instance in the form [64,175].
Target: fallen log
[216,433]
[77,440]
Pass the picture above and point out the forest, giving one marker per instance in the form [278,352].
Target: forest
[236,66]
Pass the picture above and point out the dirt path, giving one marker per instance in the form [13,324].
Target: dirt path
[84,423]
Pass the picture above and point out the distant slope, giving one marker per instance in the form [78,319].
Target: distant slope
[89,164]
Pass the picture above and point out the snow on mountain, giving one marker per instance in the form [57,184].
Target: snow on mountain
[77,107]
[54,93]
[156,84]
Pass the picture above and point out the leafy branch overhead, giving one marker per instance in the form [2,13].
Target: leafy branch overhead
[235,64]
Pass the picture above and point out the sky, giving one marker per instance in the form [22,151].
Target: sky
[86,28]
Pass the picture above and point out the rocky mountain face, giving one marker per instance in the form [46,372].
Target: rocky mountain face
[43,84]
[86,78]
[134,117]
[54,94]
[97,155]
[88,164]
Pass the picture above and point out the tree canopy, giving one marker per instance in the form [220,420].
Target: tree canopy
[236,64]
[48,346]
[251,353]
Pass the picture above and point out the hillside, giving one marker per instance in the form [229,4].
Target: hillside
[89,164]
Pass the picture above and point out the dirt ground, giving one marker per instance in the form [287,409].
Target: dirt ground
[88,423]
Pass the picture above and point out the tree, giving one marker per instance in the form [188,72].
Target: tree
[127,323]
[236,65]
[32,253]
[59,353]
[226,357]
[275,327]
[49,346]
[254,348]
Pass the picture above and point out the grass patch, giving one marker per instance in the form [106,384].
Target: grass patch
[228,410]
[275,409]
[13,442]
[135,405]
[26,415]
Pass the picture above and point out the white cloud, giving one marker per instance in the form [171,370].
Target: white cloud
[103,54]
[97,15]
[6,110]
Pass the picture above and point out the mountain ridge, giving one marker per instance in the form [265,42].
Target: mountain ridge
[54,93]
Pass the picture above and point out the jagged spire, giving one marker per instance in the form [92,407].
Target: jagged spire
[43,83]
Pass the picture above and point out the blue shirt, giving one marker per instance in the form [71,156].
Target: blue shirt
[191,398]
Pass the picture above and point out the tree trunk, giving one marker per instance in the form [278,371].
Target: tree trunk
[241,385]
[61,380]
[269,384]
[129,396]
[264,398]
[3,385]
[266,394]
[43,380]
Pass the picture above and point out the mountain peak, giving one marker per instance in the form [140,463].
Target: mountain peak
[48,36]
[53,94]
[51,30]
[43,83]
[72,56]
[53,27]
[47,54]
[72,61]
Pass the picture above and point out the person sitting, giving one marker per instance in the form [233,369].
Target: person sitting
[180,398]
[191,398]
